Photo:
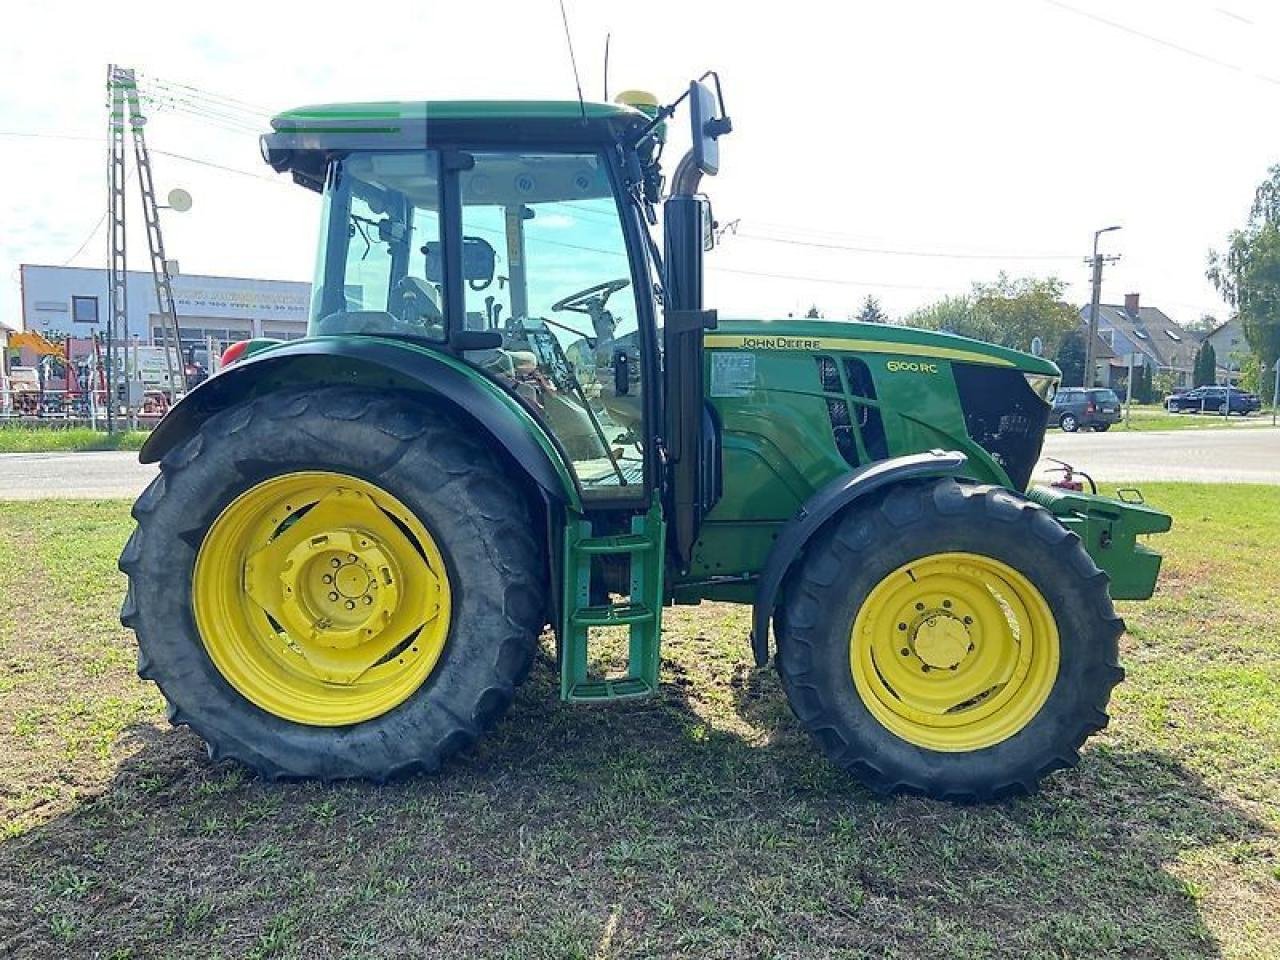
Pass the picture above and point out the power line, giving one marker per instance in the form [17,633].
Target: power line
[946,255]
[1160,41]
[837,281]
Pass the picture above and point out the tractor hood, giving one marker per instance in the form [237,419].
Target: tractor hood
[828,335]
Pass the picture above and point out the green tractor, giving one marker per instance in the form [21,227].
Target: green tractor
[512,410]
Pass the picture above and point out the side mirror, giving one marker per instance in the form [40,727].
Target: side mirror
[708,125]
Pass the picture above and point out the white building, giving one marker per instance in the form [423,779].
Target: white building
[71,303]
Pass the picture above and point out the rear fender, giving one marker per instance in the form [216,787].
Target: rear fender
[389,365]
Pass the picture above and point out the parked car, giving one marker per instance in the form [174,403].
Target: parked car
[1220,400]
[1075,407]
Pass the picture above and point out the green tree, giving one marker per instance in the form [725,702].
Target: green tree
[1205,368]
[1163,383]
[1009,311]
[871,312]
[1142,392]
[1247,274]
[813,313]
[1070,358]
[1206,324]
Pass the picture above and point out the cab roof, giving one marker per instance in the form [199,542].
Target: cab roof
[305,138]
[394,112]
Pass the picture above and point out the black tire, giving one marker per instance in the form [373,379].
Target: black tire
[1069,423]
[434,464]
[1101,427]
[858,549]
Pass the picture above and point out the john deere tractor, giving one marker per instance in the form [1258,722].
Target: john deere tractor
[512,410]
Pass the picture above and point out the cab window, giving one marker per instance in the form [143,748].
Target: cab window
[545,263]
[377,270]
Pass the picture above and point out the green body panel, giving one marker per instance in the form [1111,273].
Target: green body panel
[1109,529]
[778,447]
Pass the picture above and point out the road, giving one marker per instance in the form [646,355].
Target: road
[1203,456]
[1206,456]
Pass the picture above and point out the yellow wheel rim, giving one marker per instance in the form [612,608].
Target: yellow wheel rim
[321,598]
[954,651]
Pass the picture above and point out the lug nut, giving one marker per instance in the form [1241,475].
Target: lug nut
[919,606]
[946,603]
[351,604]
[327,578]
[335,563]
[368,599]
[968,621]
[902,626]
[906,652]
[333,595]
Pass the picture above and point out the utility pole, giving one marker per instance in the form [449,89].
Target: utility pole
[126,112]
[1090,363]
[117,266]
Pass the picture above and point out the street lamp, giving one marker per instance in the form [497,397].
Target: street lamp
[1089,363]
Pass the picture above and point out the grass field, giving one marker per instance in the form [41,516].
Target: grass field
[698,824]
[22,439]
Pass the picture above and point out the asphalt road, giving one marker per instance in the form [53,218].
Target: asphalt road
[1206,456]
[1249,455]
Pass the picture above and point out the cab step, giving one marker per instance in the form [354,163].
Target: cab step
[641,613]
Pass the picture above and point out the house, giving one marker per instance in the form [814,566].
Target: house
[1150,335]
[1230,349]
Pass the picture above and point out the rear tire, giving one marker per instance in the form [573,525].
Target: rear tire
[1069,423]
[1101,427]
[430,461]
[910,524]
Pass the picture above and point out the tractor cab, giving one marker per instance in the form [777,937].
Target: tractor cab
[512,236]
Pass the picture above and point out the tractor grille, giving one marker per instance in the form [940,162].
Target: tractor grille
[1003,415]
[857,428]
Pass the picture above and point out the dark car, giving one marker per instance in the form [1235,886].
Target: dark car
[1220,400]
[1076,407]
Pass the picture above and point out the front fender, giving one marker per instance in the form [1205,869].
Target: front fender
[821,507]
[385,364]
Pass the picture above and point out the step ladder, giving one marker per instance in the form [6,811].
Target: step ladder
[641,614]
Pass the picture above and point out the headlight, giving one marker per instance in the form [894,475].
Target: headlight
[1042,385]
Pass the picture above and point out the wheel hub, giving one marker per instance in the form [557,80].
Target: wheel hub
[954,651]
[321,598]
[942,641]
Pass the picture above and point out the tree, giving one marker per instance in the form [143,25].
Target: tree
[1142,384]
[1206,324]
[813,313]
[1247,274]
[871,312]
[1205,369]
[1010,312]
[1070,358]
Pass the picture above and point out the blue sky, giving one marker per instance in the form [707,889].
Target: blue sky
[988,135]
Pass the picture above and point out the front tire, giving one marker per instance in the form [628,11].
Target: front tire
[333,583]
[949,640]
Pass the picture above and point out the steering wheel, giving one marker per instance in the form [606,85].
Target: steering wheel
[591,300]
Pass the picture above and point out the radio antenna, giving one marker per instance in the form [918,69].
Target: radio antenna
[573,61]
[606,67]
